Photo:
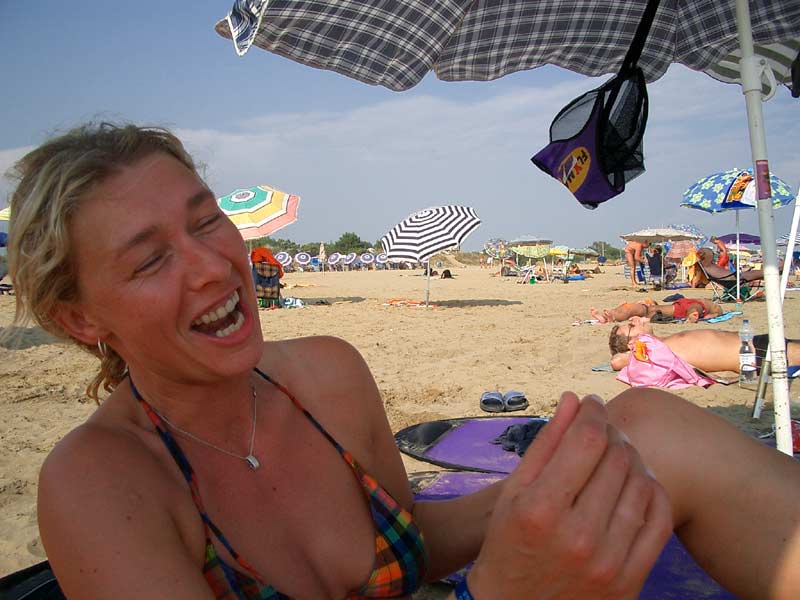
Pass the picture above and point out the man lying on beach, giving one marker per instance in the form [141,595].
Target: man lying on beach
[691,309]
[706,349]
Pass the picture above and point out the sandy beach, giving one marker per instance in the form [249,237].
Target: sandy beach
[482,333]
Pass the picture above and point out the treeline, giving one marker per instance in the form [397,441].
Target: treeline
[348,242]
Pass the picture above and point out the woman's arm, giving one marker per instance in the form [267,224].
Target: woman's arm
[105,527]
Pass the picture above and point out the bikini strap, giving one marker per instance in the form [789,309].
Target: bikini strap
[188,473]
[344,453]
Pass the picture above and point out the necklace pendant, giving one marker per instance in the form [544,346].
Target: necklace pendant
[252,462]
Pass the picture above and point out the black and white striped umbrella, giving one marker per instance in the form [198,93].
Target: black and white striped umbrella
[426,232]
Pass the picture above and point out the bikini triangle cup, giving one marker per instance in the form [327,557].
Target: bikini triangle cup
[596,140]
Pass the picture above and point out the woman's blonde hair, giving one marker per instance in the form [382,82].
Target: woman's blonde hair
[52,182]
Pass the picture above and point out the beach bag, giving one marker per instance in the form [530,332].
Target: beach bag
[653,364]
[596,140]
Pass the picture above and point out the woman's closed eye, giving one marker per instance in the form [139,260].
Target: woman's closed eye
[151,264]
[209,223]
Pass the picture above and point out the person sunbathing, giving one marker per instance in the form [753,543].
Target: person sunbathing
[706,258]
[691,309]
[223,465]
[706,349]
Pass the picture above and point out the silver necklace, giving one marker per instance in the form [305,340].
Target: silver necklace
[250,459]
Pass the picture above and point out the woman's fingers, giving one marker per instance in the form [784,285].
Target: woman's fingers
[545,444]
[600,498]
[574,460]
[650,539]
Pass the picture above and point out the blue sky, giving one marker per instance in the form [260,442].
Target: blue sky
[362,157]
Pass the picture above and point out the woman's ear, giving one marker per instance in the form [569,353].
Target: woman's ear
[72,319]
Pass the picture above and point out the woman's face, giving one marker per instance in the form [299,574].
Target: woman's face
[163,274]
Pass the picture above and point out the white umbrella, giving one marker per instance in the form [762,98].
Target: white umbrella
[424,233]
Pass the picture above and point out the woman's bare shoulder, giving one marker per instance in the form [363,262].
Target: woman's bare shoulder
[102,489]
[98,454]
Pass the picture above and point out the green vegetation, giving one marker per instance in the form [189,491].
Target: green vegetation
[607,250]
[347,242]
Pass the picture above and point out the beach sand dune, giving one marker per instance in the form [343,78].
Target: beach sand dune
[481,333]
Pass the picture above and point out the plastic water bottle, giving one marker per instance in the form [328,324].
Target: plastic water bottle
[747,357]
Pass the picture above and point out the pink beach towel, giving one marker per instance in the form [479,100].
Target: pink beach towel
[655,365]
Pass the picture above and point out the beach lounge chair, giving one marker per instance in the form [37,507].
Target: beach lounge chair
[724,288]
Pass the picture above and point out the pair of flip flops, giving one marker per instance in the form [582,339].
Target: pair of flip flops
[495,402]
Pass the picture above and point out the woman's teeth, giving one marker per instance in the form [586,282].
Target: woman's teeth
[214,318]
[233,327]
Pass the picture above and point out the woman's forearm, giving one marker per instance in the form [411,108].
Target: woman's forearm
[454,530]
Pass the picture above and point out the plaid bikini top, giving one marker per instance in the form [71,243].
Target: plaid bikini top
[400,562]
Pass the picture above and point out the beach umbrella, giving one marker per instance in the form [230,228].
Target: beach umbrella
[5,214]
[681,249]
[496,248]
[302,258]
[284,258]
[743,238]
[734,189]
[530,246]
[334,258]
[322,256]
[366,258]
[350,258]
[656,235]
[394,43]
[381,258]
[424,233]
[260,211]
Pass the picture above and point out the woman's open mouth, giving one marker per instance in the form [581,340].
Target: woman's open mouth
[221,321]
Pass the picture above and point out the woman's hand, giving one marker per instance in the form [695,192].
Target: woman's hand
[579,518]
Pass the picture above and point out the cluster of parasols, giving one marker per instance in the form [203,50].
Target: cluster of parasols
[352,260]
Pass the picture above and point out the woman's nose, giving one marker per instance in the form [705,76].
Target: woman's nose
[205,263]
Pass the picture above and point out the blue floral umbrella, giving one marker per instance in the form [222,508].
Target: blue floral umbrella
[734,189]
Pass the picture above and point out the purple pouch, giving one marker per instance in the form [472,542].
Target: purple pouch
[596,140]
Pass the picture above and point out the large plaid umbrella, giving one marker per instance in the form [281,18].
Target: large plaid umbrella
[424,233]
[734,189]
[394,43]
[260,211]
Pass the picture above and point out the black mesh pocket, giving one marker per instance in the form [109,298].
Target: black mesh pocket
[621,128]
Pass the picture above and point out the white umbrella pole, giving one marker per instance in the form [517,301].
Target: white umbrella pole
[751,87]
[428,289]
[787,264]
[738,264]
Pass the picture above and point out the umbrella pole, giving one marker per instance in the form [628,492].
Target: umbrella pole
[787,266]
[751,87]
[738,264]
[428,289]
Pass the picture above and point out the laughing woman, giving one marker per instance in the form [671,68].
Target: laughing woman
[221,466]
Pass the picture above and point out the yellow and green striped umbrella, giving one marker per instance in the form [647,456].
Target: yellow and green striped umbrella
[260,211]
